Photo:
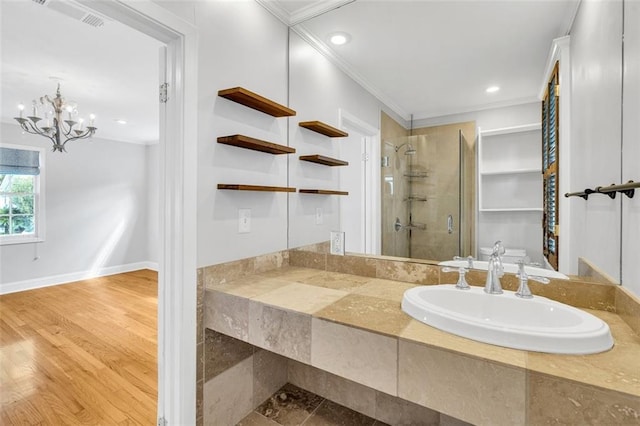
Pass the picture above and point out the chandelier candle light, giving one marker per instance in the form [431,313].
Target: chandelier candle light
[59,128]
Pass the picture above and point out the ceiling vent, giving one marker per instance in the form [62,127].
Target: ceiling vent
[74,11]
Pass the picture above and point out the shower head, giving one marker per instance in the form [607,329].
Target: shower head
[410,149]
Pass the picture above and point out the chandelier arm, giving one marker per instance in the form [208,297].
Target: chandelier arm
[35,130]
[85,135]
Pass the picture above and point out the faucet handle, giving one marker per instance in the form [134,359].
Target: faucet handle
[469,260]
[523,290]
[462,282]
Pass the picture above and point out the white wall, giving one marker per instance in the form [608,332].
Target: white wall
[596,70]
[488,119]
[95,214]
[319,90]
[631,147]
[240,44]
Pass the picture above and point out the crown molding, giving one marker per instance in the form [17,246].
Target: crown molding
[304,14]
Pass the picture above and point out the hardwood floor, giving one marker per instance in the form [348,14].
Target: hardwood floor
[80,353]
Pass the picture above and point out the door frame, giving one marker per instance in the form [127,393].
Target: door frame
[177,275]
[371,156]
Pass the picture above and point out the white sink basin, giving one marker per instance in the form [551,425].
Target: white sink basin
[537,324]
[511,268]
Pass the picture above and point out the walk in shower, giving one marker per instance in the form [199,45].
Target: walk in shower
[427,194]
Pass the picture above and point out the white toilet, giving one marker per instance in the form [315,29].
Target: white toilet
[511,255]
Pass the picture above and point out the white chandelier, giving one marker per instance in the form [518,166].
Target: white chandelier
[59,131]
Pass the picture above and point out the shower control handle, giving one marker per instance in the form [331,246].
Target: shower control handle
[450,224]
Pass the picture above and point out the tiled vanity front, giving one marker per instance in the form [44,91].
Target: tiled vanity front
[345,337]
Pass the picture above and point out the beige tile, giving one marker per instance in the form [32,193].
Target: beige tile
[226,272]
[301,297]
[283,332]
[269,375]
[384,289]
[557,401]
[356,265]
[418,332]
[228,397]
[347,352]
[416,273]
[336,281]
[308,259]
[256,419]
[292,273]
[222,352]
[252,286]
[617,369]
[307,377]
[227,314]
[452,421]
[351,394]
[473,390]
[200,402]
[396,411]
[271,261]
[628,307]
[290,405]
[581,294]
[368,313]
[331,414]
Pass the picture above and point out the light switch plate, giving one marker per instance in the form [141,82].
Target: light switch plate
[244,221]
[337,243]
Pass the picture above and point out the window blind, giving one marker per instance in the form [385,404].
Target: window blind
[19,161]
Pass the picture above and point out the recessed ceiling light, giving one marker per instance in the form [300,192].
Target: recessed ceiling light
[339,39]
[120,121]
[492,89]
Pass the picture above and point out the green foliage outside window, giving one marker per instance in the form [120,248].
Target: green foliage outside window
[17,201]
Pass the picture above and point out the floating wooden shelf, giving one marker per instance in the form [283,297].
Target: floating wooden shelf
[321,159]
[257,102]
[255,144]
[322,192]
[324,129]
[242,187]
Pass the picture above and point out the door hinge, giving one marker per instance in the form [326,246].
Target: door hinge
[164,93]
[162,421]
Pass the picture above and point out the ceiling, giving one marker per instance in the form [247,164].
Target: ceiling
[108,70]
[423,57]
[431,58]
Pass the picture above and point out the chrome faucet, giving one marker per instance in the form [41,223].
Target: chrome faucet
[462,283]
[495,270]
[523,289]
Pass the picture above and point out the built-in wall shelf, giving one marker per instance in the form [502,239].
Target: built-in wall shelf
[324,129]
[246,142]
[321,159]
[322,192]
[243,187]
[255,101]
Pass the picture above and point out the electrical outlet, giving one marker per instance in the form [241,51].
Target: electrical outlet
[244,221]
[319,218]
[337,243]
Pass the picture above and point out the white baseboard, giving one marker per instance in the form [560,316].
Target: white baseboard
[32,284]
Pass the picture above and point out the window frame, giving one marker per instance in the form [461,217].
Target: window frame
[38,235]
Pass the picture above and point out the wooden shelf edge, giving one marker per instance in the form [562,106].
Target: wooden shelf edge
[321,159]
[243,187]
[247,142]
[322,192]
[253,100]
[324,129]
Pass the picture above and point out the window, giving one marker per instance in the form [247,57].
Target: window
[550,141]
[21,199]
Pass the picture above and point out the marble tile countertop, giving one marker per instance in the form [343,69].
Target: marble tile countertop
[373,304]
